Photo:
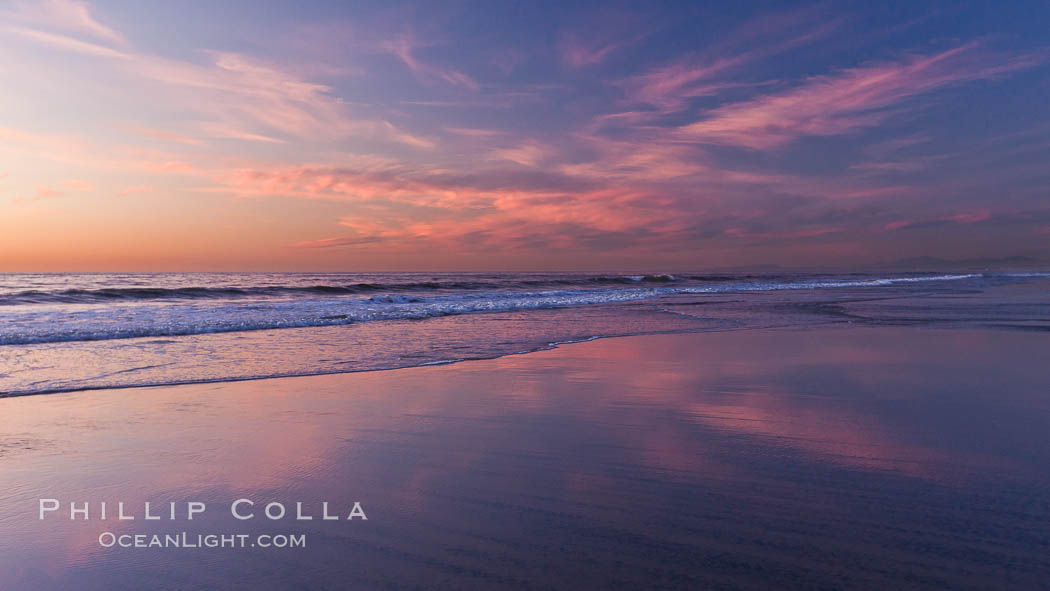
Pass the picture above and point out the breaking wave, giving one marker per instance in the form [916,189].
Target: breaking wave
[144,312]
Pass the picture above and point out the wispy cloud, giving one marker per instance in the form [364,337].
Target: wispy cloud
[78,185]
[963,218]
[72,16]
[579,52]
[40,194]
[336,242]
[240,97]
[135,190]
[668,88]
[846,101]
[164,135]
[528,154]
[474,132]
[59,41]
[404,47]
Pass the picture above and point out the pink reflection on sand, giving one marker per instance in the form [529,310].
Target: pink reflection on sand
[684,408]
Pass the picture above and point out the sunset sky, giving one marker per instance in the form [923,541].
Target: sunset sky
[257,135]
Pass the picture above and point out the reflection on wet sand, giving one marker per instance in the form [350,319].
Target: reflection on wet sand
[846,457]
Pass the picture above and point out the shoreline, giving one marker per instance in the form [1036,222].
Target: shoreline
[830,324]
[548,347]
[826,325]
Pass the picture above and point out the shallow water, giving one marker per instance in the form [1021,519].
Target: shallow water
[90,331]
[827,456]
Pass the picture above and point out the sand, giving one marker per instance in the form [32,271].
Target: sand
[864,457]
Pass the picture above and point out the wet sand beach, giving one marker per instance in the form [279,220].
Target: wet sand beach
[824,457]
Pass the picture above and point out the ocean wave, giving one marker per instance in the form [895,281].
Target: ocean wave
[123,321]
[143,294]
[651,278]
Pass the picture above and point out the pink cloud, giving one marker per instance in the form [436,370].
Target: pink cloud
[407,207]
[335,242]
[404,47]
[474,132]
[578,52]
[528,154]
[83,154]
[67,43]
[170,166]
[222,131]
[603,33]
[78,185]
[965,217]
[854,192]
[165,136]
[72,16]
[897,225]
[134,190]
[908,166]
[844,102]
[784,235]
[45,192]
[239,97]
[669,87]
[971,217]
[40,194]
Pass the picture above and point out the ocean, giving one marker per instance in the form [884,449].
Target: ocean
[67,332]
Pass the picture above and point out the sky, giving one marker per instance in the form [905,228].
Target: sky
[368,136]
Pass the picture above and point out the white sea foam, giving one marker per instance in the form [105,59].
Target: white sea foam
[61,323]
